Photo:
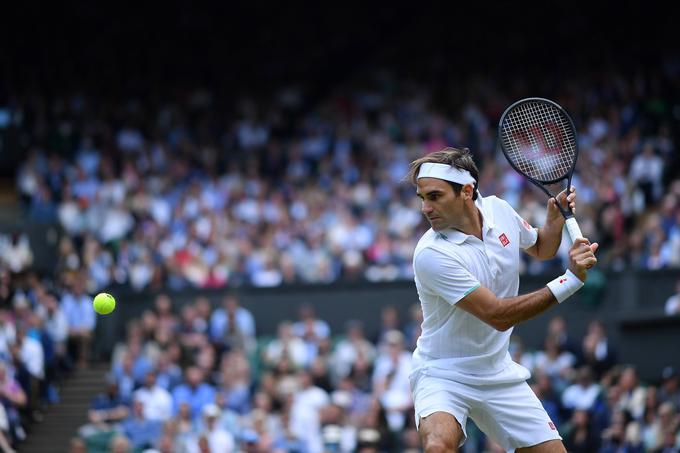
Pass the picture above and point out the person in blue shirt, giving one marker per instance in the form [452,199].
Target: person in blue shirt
[194,391]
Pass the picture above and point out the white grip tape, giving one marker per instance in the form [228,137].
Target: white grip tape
[565,285]
[573,229]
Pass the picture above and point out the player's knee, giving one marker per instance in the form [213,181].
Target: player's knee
[439,446]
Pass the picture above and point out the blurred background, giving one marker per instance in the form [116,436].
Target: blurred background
[232,174]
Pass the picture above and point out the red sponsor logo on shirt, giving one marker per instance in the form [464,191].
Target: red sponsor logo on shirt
[552,426]
[504,239]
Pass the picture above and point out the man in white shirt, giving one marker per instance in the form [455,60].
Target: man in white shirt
[157,401]
[582,394]
[467,277]
[672,307]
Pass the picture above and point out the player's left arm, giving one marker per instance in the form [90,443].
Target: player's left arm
[550,234]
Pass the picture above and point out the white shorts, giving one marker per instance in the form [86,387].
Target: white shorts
[510,414]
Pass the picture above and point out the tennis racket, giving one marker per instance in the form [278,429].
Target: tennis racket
[538,138]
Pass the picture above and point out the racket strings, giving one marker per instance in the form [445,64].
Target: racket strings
[539,140]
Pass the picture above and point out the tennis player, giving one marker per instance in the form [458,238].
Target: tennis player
[466,274]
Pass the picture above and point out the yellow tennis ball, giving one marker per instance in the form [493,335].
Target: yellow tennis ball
[104,303]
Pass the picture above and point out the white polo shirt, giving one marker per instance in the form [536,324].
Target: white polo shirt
[450,264]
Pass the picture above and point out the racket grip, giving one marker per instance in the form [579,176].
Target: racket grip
[573,229]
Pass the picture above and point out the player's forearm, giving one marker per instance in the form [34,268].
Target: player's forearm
[549,240]
[513,310]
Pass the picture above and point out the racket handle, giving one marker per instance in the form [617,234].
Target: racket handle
[573,229]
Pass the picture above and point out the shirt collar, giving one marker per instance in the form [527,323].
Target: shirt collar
[487,212]
[457,236]
[453,235]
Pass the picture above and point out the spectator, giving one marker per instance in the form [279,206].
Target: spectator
[389,321]
[167,319]
[309,327]
[582,394]
[56,326]
[156,400]
[544,391]
[234,381]
[288,345]
[141,432]
[414,327]
[81,319]
[597,350]
[194,391]
[557,328]
[169,373]
[672,307]
[654,436]
[391,380]
[632,398]
[670,387]
[15,252]
[646,171]
[108,408]
[311,330]
[552,361]
[120,444]
[28,355]
[123,373]
[580,437]
[233,326]
[218,438]
[351,347]
[14,400]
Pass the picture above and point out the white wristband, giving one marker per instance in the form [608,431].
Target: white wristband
[564,286]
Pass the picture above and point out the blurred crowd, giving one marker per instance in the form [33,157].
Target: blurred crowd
[45,334]
[196,378]
[190,192]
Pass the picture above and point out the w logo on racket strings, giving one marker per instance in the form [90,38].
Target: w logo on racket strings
[541,141]
[504,239]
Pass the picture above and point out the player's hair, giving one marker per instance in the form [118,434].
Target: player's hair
[459,158]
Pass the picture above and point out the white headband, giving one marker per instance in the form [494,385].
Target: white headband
[445,172]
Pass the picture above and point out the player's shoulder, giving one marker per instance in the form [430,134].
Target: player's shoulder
[432,245]
[497,205]
[426,240]
[495,202]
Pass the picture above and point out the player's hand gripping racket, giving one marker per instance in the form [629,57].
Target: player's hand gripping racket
[539,140]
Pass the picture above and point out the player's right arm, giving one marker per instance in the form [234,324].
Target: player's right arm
[505,313]
[449,278]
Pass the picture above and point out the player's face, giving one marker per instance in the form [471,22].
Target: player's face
[440,204]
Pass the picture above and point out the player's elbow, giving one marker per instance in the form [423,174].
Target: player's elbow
[499,319]
[498,322]
[501,326]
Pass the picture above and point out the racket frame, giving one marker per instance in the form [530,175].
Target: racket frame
[572,225]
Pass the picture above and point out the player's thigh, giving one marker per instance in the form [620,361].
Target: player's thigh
[551,446]
[513,416]
[440,432]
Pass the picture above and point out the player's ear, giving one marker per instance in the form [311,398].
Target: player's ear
[468,191]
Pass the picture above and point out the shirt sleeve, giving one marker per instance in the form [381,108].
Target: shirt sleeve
[528,235]
[444,275]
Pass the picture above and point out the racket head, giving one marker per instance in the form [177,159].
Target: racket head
[539,140]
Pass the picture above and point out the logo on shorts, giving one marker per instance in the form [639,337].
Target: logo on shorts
[504,239]
[552,426]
